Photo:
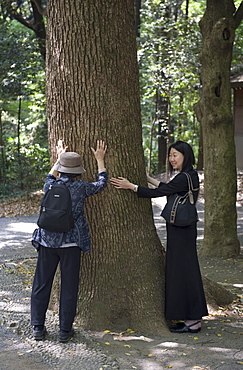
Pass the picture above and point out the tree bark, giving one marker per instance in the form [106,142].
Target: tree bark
[93,93]
[215,115]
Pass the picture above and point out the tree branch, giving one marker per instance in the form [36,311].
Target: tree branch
[238,15]
[20,19]
[39,7]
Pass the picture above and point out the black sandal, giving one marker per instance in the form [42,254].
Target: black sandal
[185,328]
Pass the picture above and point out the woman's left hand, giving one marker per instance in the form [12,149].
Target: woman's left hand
[121,183]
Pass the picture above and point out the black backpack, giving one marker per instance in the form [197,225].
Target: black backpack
[56,209]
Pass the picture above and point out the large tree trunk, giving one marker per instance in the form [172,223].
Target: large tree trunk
[214,113]
[93,93]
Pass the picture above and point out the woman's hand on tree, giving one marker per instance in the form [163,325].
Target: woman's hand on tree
[61,148]
[100,151]
[121,183]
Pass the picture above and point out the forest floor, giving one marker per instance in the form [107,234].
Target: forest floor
[218,346]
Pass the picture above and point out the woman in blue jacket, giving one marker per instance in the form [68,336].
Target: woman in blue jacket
[66,247]
[184,294]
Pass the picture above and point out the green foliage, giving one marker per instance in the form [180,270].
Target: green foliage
[23,127]
[21,62]
[168,54]
[237,63]
[24,170]
[169,66]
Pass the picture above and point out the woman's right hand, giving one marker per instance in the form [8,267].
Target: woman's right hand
[122,183]
[100,151]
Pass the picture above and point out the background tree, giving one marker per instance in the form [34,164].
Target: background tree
[214,111]
[93,93]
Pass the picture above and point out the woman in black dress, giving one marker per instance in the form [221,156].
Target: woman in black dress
[184,294]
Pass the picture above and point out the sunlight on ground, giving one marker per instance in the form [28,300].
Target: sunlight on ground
[171,344]
[127,338]
[11,233]
[24,227]
[16,307]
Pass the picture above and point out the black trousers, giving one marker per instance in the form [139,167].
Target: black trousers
[48,260]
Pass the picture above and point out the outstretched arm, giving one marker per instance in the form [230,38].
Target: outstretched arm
[99,155]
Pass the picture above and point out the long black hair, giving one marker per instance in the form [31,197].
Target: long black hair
[186,150]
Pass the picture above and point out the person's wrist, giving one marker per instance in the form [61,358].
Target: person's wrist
[132,187]
[135,188]
[100,163]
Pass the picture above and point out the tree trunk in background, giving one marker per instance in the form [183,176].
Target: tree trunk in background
[200,164]
[215,115]
[162,113]
[93,93]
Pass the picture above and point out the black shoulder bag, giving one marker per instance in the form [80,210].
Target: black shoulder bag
[180,210]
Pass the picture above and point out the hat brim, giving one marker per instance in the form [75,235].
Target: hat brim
[74,170]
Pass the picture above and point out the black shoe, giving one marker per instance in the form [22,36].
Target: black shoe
[64,335]
[185,328]
[39,332]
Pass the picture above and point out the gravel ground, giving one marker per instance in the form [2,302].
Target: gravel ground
[18,349]
[218,346]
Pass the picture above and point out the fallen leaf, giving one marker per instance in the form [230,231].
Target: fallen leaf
[130,331]
[107,343]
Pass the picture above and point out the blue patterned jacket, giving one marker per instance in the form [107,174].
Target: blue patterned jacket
[79,234]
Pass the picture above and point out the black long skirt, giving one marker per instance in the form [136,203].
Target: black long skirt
[184,294]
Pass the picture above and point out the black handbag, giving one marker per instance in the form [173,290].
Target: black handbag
[180,210]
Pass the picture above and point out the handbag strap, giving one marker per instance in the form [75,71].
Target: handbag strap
[190,187]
